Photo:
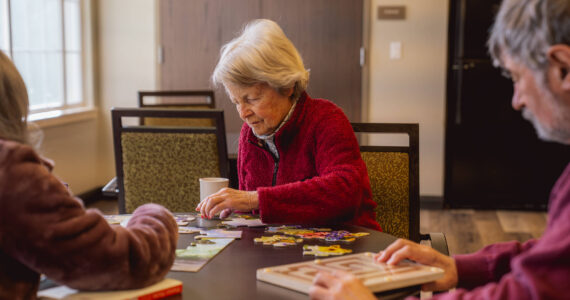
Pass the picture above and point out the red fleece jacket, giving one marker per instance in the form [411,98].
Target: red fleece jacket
[43,229]
[320,177]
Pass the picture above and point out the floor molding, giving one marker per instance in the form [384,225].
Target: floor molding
[431,202]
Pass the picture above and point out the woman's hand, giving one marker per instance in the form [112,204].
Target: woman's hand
[338,285]
[404,249]
[227,200]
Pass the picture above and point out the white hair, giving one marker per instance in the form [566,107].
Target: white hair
[262,54]
[525,29]
[13,102]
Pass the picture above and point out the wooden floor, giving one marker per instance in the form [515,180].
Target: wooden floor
[466,230]
[469,230]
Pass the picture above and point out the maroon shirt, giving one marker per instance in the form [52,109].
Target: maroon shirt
[43,229]
[537,269]
[320,177]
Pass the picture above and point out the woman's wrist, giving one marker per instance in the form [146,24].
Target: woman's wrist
[253,200]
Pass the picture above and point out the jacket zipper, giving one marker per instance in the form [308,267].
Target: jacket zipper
[275,162]
[275,168]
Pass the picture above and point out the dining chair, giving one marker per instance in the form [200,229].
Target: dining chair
[162,164]
[177,99]
[394,180]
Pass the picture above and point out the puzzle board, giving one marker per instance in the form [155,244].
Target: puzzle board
[376,276]
[194,257]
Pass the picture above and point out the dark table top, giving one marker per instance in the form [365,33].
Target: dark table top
[232,273]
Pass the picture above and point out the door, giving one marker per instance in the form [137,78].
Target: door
[327,33]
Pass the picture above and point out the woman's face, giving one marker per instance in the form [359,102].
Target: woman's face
[260,106]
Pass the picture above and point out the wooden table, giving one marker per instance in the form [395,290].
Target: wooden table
[232,273]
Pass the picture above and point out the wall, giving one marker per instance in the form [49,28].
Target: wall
[127,52]
[412,89]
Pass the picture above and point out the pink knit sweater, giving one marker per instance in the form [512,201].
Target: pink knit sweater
[319,178]
[43,229]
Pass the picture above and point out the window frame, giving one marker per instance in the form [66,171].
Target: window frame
[86,60]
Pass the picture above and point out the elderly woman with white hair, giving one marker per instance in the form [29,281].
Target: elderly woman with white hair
[298,160]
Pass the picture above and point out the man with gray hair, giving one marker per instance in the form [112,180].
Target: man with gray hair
[530,40]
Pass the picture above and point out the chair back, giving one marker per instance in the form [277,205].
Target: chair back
[179,99]
[162,164]
[394,179]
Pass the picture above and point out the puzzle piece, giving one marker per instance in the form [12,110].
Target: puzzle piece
[313,236]
[322,251]
[116,219]
[182,220]
[184,230]
[340,236]
[247,217]
[295,229]
[278,240]
[219,233]
[237,222]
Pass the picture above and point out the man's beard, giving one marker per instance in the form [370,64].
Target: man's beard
[559,134]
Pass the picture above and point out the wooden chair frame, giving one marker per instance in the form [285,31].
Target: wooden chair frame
[118,113]
[180,93]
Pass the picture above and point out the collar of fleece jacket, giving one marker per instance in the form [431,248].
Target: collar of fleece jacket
[288,131]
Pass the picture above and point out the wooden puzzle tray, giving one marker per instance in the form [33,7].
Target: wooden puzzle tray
[377,277]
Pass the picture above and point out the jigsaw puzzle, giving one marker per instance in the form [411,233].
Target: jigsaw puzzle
[321,251]
[278,240]
[324,234]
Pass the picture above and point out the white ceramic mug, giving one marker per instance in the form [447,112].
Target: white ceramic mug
[211,185]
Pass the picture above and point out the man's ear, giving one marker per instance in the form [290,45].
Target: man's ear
[559,58]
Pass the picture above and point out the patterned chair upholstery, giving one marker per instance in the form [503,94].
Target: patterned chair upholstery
[162,164]
[183,101]
[389,180]
[394,180]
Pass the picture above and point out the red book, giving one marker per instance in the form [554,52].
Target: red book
[159,290]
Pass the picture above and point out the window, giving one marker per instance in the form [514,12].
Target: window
[44,39]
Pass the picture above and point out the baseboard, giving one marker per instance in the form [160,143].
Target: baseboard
[431,202]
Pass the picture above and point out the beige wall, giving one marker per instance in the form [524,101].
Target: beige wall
[411,89]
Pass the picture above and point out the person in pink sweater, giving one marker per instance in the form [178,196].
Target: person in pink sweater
[298,159]
[531,42]
[45,230]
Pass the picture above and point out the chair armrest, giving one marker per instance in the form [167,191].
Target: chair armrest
[438,241]
[111,189]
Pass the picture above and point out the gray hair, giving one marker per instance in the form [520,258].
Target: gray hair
[262,54]
[525,29]
[13,102]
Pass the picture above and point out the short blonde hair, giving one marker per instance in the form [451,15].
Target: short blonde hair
[13,102]
[262,54]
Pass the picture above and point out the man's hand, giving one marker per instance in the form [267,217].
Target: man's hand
[404,249]
[339,285]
